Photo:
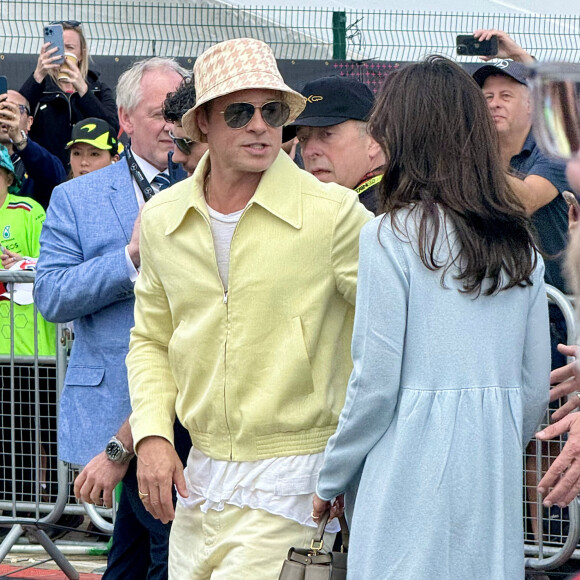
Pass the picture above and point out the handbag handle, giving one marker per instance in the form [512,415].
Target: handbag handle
[317,541]
[345,533]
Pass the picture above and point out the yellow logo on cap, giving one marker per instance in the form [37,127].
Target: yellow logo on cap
[314,98]
[89,127]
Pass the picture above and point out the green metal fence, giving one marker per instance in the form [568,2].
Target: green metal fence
[185,29]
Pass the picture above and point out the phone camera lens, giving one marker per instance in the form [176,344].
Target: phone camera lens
[461,49]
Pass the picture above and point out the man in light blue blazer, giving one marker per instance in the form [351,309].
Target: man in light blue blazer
[88,264]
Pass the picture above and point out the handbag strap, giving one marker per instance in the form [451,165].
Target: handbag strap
[317,541]
[345,533]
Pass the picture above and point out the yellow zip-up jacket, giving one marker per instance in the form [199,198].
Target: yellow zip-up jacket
[260,371]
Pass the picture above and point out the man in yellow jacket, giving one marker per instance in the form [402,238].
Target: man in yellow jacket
[243,323]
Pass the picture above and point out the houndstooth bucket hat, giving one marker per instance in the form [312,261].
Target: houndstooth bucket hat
[237,65]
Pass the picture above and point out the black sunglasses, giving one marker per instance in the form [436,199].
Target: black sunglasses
[73,23]
[182,143]
[238,115]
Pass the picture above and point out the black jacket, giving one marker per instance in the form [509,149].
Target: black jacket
[55,112]
[39,172]
[368,189]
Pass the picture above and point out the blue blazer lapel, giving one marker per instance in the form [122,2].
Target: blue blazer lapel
[122,197]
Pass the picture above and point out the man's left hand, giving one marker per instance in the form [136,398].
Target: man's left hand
[97,481]
[158,468]
[507,47]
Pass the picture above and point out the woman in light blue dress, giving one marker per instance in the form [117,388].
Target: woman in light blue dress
[451,347]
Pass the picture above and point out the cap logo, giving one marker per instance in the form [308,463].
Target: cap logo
[314,98]
[89,127]
[502,64]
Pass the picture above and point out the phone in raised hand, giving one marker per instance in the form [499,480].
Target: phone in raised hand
[53,34]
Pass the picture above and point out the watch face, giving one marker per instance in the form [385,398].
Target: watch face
[113,451]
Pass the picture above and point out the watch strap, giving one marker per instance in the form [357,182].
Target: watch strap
[24,139]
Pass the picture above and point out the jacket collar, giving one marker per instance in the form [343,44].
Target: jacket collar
[273,193]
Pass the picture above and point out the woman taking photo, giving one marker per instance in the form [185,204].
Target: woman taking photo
[450,348]
[61,95]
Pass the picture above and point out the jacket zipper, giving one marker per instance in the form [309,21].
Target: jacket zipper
[67,99]
[225,301]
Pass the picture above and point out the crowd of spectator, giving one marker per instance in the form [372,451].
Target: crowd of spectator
[240,290]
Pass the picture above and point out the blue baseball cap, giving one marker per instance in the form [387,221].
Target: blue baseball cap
[509,68]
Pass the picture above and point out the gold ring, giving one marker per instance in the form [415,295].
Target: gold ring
[142,495]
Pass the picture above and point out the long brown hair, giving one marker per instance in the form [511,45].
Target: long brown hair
[442,153]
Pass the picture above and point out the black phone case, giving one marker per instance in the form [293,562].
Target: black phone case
[468,45]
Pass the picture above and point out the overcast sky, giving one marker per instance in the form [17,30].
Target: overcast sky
[559,7]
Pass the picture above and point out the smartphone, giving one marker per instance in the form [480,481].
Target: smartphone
[53,34]
[468,45]
[3,85]
[571,200]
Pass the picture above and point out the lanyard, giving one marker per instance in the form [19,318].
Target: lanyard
[368,183]
[138,176]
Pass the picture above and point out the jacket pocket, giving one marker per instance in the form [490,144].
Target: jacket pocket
[80,376]
[284,402]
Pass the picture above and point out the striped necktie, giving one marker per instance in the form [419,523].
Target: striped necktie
[161,181]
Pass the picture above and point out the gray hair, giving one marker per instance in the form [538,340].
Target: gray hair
[129,93]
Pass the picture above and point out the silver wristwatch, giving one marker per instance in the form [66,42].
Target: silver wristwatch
[19,145]
[117,452]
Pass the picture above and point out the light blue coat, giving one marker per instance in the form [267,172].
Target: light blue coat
[445,392]
[82,275]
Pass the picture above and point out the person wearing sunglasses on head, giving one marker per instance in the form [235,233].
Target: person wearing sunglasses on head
[61,95]
[38,170]
[243,321]
[187,152]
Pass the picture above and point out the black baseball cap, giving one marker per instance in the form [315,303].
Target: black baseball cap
[508,68]
[333,100]
[95,132]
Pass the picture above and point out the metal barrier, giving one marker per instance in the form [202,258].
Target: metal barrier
[552,537]
[35,486]
[34,493]
[38,489]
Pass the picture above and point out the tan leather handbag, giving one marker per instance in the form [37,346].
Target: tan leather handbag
[311,564]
